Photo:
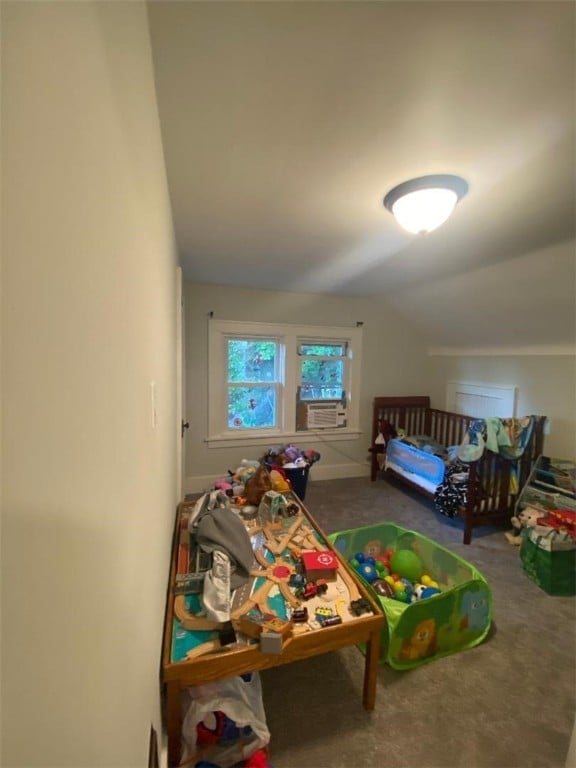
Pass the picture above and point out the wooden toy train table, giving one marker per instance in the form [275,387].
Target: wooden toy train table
[192,652]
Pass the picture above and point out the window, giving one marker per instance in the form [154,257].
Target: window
[275,382]
[322,369]
[252,382]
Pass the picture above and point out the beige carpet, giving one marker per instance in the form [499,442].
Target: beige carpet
[508,703]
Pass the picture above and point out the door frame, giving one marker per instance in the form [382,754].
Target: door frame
[180,386]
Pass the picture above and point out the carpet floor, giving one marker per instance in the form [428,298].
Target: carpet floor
[508,703]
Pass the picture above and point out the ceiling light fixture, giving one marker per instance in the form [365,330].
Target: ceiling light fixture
[423,204]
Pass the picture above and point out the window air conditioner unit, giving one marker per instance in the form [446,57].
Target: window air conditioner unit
[325,415]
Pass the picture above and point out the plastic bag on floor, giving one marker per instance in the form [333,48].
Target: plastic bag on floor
[224,721]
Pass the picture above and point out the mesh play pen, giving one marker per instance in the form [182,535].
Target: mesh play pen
[418,632]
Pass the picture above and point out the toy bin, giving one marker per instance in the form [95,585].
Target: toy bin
[298,477]
[418,632]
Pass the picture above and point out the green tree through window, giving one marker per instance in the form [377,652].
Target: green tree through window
[271,381]
[252,368]
[322,371]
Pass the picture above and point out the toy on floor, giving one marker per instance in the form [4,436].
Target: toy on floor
[258,760]
[526,518]
[225,731]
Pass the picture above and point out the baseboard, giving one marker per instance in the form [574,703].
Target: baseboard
[202,483]
[337,471]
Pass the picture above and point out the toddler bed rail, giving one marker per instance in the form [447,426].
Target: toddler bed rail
[493,481]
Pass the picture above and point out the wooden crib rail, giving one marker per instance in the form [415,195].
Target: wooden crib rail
[392,413]
[407,413]
[448,428]
[493,481]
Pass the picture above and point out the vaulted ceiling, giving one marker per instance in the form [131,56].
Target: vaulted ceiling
[285,123]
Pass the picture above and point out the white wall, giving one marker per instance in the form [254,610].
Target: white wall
[546,386]
[471,306]
[394,362]
[89,489]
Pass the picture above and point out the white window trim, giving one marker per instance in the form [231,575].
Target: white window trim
[288,335]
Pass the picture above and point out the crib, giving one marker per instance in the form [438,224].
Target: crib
[491,482]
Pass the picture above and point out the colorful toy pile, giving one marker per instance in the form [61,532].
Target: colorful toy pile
[418,631]
[282,467]
[398,574]
[225,732]
[289,456]
[291,463]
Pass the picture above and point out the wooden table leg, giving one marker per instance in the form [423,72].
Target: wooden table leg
[173,722]
[371,667]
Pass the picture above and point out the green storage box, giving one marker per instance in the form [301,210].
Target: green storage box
[549,558]
[415,633]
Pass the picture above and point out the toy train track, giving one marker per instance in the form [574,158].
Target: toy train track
[284,545]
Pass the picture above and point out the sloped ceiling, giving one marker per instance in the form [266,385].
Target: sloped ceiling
[285,124]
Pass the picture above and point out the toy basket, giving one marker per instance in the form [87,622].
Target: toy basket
[298,477]
[548,558]
[415,633]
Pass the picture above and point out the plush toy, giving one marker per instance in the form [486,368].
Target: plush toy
[279,482]
[242,474]
[257,485]
[526,518]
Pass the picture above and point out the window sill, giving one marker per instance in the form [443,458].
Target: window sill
[325,435]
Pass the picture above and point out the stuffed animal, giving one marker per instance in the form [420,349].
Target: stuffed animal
[257,485]
[526,518]
[279,482]
[243,474]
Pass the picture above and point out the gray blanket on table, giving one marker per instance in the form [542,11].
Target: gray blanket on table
[217,528]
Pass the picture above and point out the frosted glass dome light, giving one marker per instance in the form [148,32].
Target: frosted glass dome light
[421,205]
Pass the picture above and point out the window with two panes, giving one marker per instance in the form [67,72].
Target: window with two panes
[262,383]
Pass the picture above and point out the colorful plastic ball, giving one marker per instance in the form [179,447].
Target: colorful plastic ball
[354,562]
[370,560]
[418,590]
[421,592]
[429,592]
[380,567]
[383,589]
[367,571]
[408,586]
[359,556]
[428,582]
[406,564]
